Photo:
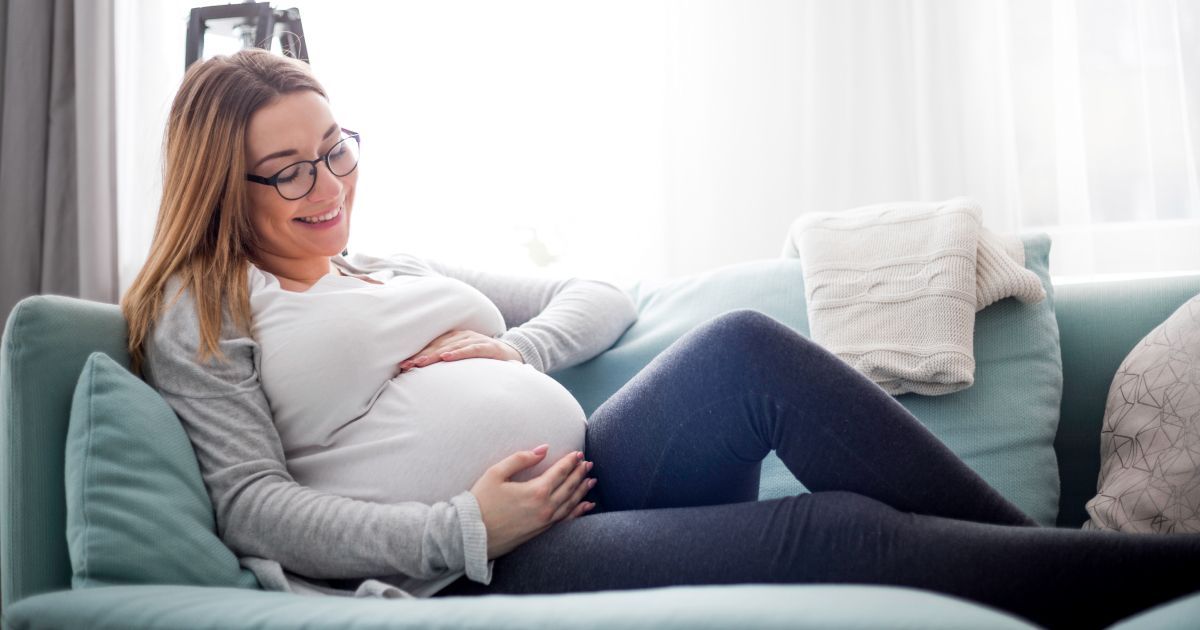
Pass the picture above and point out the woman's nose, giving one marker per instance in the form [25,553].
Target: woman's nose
[327,186]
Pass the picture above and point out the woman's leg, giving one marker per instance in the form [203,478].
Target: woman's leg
[692,427]
[1054,577]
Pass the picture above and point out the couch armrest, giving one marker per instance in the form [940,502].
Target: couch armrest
[47,339]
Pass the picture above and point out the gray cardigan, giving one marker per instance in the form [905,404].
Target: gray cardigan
[297,539]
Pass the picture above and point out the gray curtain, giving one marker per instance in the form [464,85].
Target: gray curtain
[56,98]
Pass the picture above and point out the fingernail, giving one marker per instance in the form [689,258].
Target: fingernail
[589,465]
[578,454]
[589,505]
[541,449]
[591,483]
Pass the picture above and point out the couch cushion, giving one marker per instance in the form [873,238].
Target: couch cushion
[1149,478]
[741,606]
[1099,323]
[137,510]
[1003,426]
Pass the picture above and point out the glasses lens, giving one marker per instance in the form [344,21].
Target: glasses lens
[344,156]
[296,180]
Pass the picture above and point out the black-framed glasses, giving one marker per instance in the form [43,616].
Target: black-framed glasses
[296,180]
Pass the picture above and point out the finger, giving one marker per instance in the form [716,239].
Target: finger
[515,463]
[451,347]
[439,344]
[558,473]
[564,491]
[420,353]
[429,356]
[568,507]
[425,360]
[580,510]
[437,353]
[465,352]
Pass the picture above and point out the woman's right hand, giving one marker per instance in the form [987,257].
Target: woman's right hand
[516,511]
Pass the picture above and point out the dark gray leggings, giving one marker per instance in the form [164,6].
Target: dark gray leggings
[678,453]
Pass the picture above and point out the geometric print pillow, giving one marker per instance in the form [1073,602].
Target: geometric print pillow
[1150,444]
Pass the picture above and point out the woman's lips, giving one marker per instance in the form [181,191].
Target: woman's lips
[324,225]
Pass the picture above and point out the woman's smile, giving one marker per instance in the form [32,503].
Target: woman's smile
[322,221]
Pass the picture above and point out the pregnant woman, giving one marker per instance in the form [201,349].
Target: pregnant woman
[391,418]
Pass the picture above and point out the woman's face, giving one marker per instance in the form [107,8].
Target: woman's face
[297,126]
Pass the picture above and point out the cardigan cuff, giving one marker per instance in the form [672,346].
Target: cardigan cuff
[517,339]
[477,566]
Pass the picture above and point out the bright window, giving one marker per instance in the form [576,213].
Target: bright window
[624,140]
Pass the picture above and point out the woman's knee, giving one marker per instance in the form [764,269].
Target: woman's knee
[746,329]
[746,323]
[749,318]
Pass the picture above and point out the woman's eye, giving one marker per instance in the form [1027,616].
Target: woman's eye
[339,152]
[288,174]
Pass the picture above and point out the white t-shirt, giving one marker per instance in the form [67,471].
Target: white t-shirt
[352,425]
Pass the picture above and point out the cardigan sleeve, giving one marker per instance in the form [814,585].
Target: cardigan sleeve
[260,509]
[553,323]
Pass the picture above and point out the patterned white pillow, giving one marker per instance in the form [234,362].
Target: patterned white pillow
[1150,444]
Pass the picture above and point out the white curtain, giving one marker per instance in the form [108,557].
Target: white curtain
[636,139]
[96,150]
[1076,118]
[57,186]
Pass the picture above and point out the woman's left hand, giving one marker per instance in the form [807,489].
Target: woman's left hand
[461,344]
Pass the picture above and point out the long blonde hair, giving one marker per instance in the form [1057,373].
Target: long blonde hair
[204,232]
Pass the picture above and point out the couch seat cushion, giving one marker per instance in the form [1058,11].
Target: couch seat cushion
[693,607]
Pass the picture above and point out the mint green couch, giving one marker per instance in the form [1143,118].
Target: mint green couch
[47,339]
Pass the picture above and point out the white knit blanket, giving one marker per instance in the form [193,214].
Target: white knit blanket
[893,288]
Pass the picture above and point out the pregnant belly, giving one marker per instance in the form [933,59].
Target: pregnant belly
[433,432]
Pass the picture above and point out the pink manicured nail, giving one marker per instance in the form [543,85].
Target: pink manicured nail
[541,449]
[578,454]
[591,483]
[421,358]
[589,465]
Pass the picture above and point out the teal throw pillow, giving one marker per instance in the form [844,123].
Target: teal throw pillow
[1003,426]
[137,509]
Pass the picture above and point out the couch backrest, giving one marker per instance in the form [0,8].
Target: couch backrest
[1099,323]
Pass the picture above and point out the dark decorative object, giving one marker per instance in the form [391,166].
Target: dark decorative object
[255,23]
